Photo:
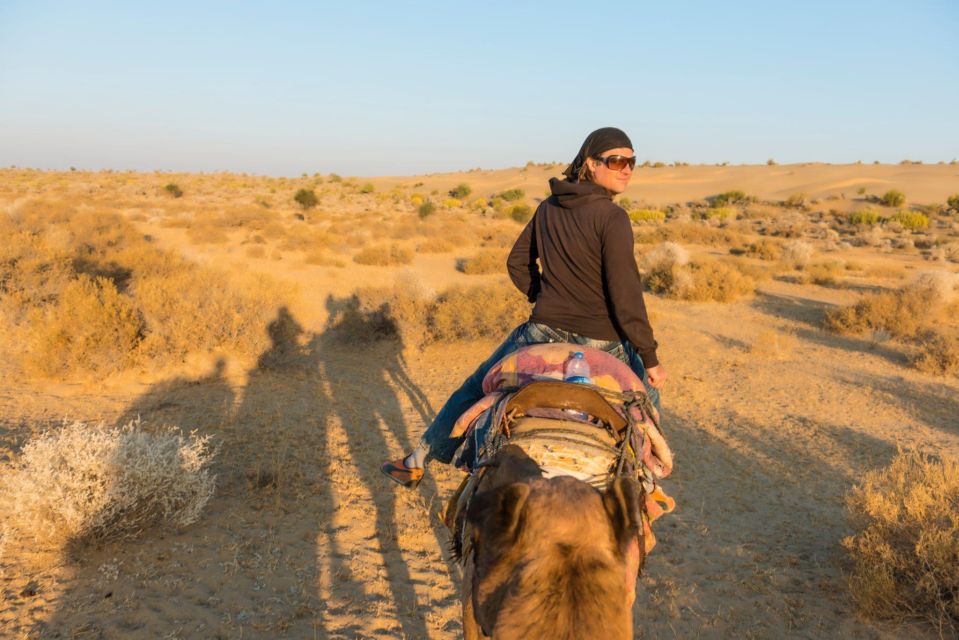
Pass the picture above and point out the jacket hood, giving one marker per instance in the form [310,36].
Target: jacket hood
[575,194]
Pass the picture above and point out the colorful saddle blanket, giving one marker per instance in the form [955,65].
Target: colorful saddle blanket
[546,362]
[485,421]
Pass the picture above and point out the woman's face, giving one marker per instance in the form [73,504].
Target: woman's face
[615,181]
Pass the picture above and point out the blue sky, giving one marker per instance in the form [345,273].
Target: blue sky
[376,88]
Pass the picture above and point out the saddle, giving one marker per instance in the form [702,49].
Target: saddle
[591,432]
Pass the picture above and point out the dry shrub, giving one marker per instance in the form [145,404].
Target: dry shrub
[662,266]
[416,316]
[869,236]
[941,286]
[376,313]
[90,327]
[905,553]
[715,281]
[256,251]
[384,256]
[668,272]
[796,254]
[200,310]
[824,273]
[434,245]
[938,353]
[764,249]
[904,313]
[83,482]
[950,251]
[481,311]
[483,263]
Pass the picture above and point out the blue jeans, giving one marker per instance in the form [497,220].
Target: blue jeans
[437,436]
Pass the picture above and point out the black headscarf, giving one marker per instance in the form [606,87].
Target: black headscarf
[596,143]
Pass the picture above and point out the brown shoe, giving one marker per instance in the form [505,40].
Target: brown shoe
[397,471]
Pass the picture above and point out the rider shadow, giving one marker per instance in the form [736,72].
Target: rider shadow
[365,381]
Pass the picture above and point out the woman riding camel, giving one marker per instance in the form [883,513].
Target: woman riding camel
[586,286]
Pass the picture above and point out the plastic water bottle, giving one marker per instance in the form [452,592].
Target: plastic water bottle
[577,369]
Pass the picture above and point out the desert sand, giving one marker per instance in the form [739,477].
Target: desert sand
[772,420]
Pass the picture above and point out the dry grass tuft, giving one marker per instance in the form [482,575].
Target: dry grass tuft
[416,316]
[825,272]
[82,483]
[90,327]
[384,256]
[796,254]
[668,272]
[907,313]
[900,313]
[483,263]
[480,311]
[716,281]
[938,353]
[905,552]
[434,245]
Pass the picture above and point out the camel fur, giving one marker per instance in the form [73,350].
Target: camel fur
[550,558]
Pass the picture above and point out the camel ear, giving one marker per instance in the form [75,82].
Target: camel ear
[623,502]
[497,512]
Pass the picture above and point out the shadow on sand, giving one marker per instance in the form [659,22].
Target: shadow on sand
[301,538]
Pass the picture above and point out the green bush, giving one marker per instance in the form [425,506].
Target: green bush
[521,213]
[893,198]
[730,197]
[174,190]
[911,220]
[461,191]
[865,217]
[953,202]
[367,188]
[512,194]
[426,209]
[306,198]
[647,215]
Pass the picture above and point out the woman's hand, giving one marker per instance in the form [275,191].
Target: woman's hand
[657,376]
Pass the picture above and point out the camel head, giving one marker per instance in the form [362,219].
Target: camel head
[553,558]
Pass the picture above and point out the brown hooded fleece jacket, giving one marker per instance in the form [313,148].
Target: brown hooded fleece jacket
[586,281]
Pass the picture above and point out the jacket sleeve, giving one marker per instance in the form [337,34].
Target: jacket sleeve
[521,263]
[625,288]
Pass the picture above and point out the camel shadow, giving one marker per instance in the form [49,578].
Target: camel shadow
[364,365]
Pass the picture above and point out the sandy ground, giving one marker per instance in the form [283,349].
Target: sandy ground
[771,419]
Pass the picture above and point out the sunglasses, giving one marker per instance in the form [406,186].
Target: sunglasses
[617,162]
